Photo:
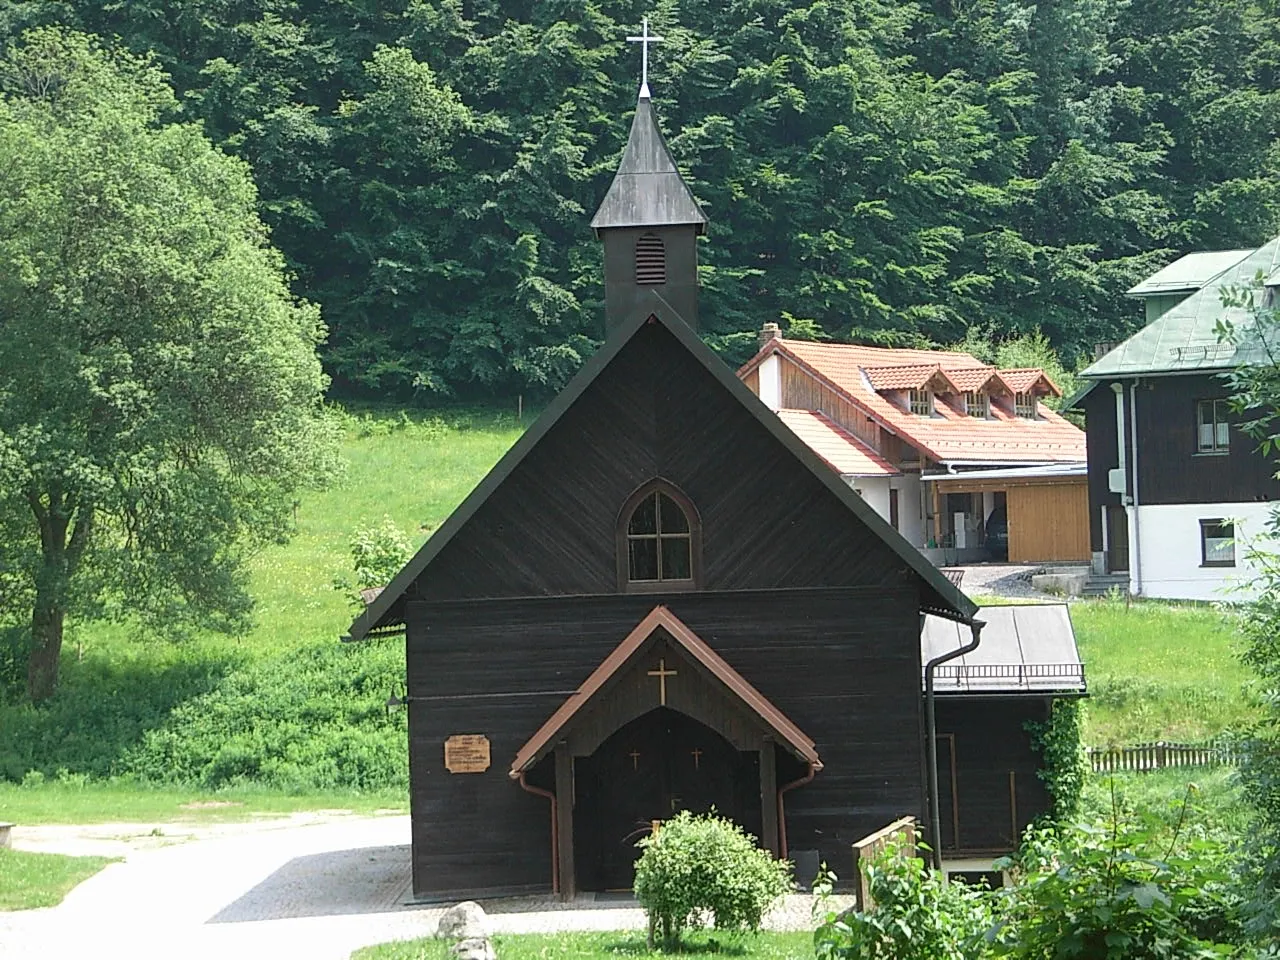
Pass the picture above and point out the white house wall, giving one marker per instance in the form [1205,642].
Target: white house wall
[910,508]
[1169,552]
[875,491]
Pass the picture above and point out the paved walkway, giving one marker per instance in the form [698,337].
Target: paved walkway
[312,885]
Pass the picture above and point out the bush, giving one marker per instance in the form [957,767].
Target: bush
[917,916]
[700,867]
[1127,889]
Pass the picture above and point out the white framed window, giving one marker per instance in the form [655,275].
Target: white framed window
[1024,405]
[920,402]
[977,404]
[1213,432]
[1217,543]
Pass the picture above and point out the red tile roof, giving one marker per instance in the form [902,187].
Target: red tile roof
[913,376]
[974,378]
[949,435]
[1023,379]
[843,452]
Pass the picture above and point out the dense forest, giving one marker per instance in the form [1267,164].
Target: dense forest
[889,170]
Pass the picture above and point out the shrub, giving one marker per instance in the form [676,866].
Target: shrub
[1127,889]
[917,916]
[1065,765]
[700,867]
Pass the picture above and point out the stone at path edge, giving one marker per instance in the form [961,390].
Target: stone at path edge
[474,948]
[464,921]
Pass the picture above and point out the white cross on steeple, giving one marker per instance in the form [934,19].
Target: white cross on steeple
[644,40]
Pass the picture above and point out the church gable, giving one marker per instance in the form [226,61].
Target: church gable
[552,526]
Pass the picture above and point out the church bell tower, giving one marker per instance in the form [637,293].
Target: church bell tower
[649,223]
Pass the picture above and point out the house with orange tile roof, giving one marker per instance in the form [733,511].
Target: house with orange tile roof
[947,448]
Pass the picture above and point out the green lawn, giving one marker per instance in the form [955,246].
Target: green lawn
[600,946]
[1160,671]
[29,880]
[105,802]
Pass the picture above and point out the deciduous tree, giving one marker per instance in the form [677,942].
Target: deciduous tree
[160,392]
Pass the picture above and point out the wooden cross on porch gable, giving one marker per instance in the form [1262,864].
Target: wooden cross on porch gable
[662,673]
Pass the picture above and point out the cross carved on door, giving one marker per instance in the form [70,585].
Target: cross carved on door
[697,758]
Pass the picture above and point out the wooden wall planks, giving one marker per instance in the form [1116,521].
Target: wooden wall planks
[843,664]
[656,412]
[990,741]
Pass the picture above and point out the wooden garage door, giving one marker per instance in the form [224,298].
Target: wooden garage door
[1049,522]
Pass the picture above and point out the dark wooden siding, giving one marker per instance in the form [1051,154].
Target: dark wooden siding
[843,664]
[767,521]
[991,742]
[1170,470]
[1100,439]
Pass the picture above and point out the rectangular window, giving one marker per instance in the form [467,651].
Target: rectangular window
[1217,543]
[1213,432]
[921,403]
[1024,406]
[977,405]
[893,510]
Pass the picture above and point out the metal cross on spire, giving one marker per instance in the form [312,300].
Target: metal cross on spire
[644,40]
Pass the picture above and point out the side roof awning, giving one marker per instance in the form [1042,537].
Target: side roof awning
[661,622]
[1026,649]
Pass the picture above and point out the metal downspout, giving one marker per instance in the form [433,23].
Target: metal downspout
[555,829]
[931,722]
[1136,547]
[782,809]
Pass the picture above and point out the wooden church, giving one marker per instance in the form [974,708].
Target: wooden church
[661,599]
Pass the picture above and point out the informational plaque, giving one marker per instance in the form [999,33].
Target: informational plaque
[466,753]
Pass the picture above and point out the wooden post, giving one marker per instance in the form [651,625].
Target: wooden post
[1013,806]
[937,516]
[768,796]
[564,825]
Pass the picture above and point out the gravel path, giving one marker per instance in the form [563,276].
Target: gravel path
[1002,580]
[312,885]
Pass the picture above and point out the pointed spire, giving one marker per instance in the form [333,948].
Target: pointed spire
[647,190]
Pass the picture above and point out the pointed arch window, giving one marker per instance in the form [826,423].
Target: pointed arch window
[659,540]
[651,260]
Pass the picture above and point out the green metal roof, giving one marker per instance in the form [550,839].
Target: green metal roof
[647,190]
[1188,273]
[1185,338]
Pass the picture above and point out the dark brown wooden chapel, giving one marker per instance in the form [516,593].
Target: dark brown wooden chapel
[659,600]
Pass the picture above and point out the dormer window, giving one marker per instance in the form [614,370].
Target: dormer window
[1024,405]
[977,404]
[651,260]
[659,537]
[920,402]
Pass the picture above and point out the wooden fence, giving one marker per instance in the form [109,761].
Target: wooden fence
[902,832]
[1161,755]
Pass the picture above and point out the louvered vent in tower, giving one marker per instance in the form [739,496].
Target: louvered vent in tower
[651,260]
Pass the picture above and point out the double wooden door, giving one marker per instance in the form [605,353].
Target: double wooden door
[649,770]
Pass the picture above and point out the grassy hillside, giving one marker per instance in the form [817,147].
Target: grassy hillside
[1160,671]
[287,707]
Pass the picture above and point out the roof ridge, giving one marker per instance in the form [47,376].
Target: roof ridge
[944,592]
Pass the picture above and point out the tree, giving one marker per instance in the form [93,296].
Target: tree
[160,392]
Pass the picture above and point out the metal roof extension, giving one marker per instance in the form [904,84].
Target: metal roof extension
[1025,649]
[1188,273]
[1185,339]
